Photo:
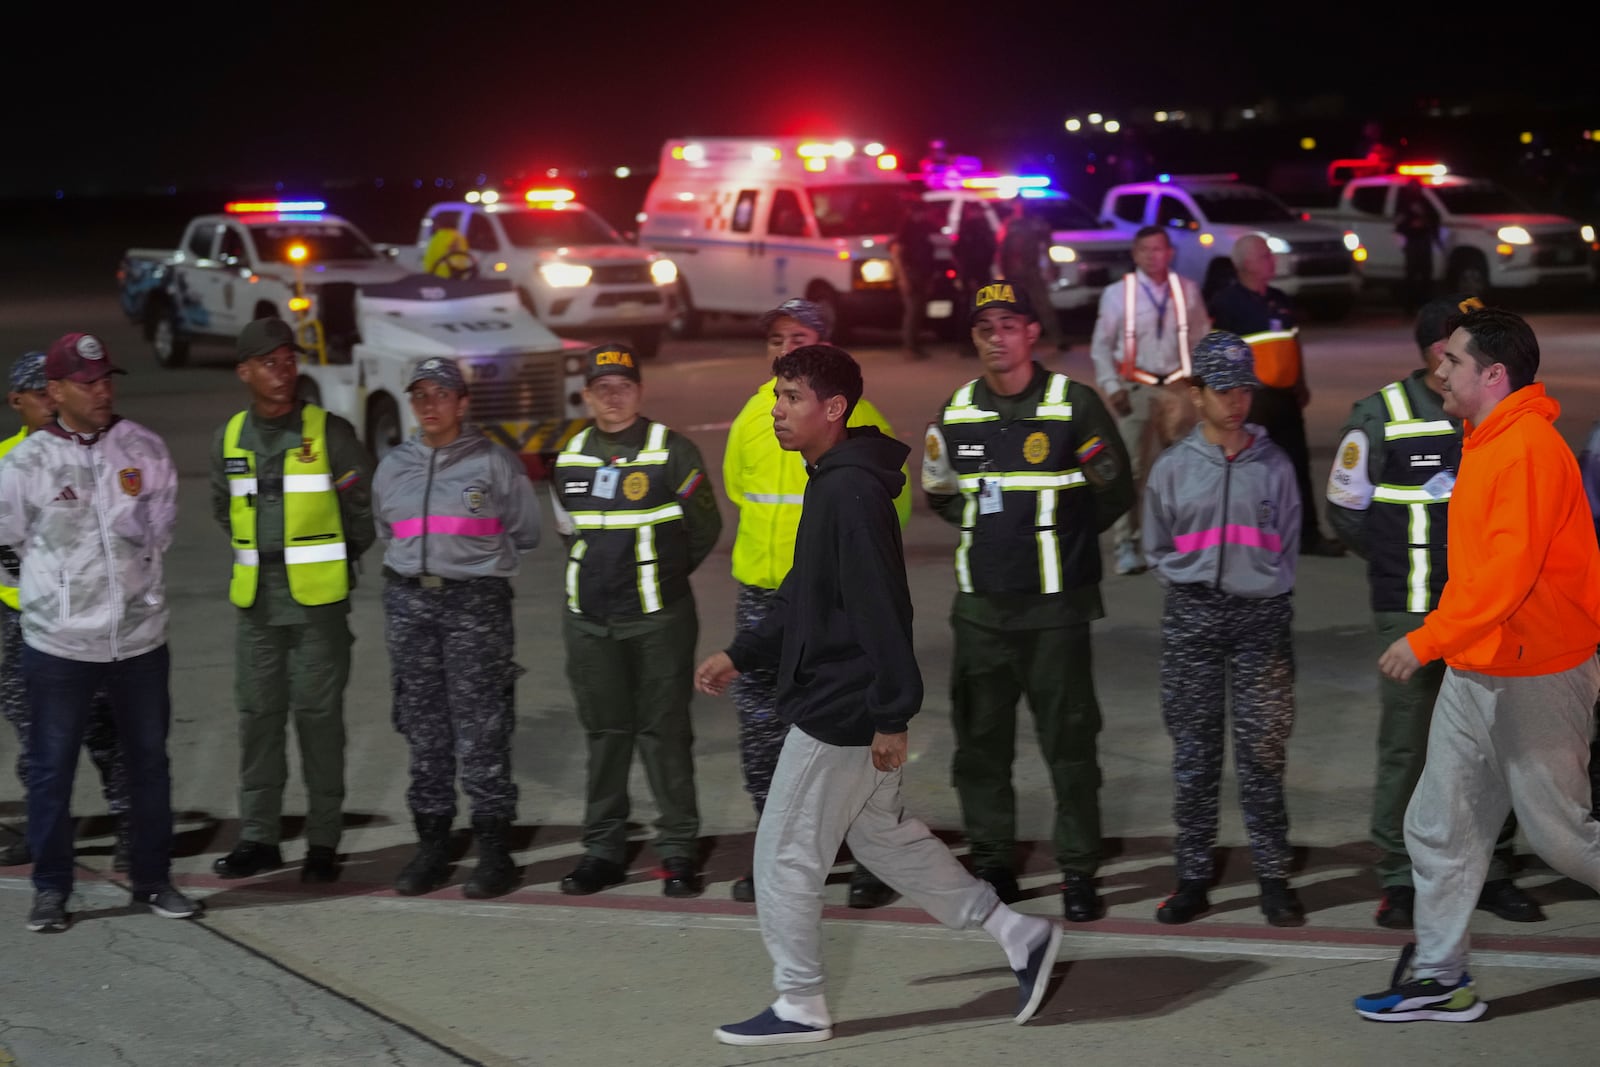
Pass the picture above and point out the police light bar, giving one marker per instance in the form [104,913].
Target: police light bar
[1226,176]
[549,196]
[1007,181]
[1420,170]
[271,207]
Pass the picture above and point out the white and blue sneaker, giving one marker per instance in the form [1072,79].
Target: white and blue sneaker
[1422,1000]
[1034,980]
[1129,560]
[768,1029]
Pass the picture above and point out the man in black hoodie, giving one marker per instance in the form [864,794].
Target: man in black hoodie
[839,632]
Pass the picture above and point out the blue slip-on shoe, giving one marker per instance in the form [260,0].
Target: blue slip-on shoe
[1422,1000]
[768,1029]
[1034,979]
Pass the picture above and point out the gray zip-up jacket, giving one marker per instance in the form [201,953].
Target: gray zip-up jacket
[92,523]
[462,511]
[1230,524]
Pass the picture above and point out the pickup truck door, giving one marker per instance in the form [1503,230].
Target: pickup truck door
[196,280]
[1369,211]
[484,243]
[234,305]
[1174,216]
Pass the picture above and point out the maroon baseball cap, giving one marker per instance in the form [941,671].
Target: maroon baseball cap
[79,357]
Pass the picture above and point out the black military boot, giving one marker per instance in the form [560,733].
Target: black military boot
[430,867]
[496,873]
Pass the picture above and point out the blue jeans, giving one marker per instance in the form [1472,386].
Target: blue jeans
[61,692]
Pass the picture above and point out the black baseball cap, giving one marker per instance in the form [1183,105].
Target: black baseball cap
[611,359]
[1005,295]
[262,337]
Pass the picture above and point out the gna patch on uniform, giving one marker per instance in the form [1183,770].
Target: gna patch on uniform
[1350,456]
[307,454]
[575,487]
[999,291]
[970,450]
[473,498]
[131,480]
[235,465]
[1036,448]
[613,357]
[636,485]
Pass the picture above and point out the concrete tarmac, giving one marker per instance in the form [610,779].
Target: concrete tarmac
[277,973]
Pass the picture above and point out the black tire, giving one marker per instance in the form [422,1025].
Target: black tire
[1469,274]
[647,343]
[383,425]
[1219,272]
[307,391]
[687,323]
[166,336]
[827,302]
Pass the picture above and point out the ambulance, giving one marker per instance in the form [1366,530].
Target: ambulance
[754,221]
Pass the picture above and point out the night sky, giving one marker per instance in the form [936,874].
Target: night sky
[175,93]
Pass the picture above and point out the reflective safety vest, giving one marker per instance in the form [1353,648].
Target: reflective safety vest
[1407,525]
[1130,341]
[631,552]
[1277,357]
[314,552]
[1042,538]
[9,596]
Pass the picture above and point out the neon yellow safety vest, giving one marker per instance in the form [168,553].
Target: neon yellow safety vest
[8,593]
[314,551]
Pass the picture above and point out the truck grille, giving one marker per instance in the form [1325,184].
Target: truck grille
[1559,250]
[1321,249]
[621,274]
[529,387]
[629,296]
[1325,266]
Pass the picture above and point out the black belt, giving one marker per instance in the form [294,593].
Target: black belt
[424,581]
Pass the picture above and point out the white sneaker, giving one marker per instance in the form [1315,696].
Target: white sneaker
[1129,560]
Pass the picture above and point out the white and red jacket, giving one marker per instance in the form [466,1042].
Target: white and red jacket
[462,511]
[91,519]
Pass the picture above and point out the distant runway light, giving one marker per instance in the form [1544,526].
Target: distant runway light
[1073,125]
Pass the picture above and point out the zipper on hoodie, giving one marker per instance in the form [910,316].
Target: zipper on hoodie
[1222,542]
[427,492]
[114,590]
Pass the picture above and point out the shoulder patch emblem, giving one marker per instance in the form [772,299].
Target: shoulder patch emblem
[1350,456]
[636,485]
[1036,448]
[131,480]
[473,497]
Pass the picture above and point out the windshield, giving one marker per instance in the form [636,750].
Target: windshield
[1478,198]
[1064,214]
[554,227]
[323,241]
[1242,205]
[860,210]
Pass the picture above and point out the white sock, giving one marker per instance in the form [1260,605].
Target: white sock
[807,1011]
[1017,933]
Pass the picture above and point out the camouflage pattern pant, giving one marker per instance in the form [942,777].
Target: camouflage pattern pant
[454,682]
[100,740]
[755,695]
[1214,643]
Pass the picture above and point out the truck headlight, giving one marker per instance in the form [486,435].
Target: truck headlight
[565,275]
[1278,246]
[876,271]
[1352,240]
[1587,233]
[1514,235]
[663,272]
[1063,254]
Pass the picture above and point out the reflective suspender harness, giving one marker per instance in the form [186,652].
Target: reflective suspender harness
[1130,344]
[1421,501]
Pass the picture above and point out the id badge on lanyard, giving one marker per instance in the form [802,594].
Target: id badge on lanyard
[990,500]
[605,483]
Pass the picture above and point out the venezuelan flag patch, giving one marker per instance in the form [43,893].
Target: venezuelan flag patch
[690,484]
[1090,449]
[346,480]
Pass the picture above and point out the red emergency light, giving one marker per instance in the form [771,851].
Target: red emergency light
[271,207]
[549,196]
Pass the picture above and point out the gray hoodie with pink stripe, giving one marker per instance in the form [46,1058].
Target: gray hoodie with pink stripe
[1231,524]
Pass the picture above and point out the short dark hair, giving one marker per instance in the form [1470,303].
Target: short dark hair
[830,371]
[1154,231]
[1496,335]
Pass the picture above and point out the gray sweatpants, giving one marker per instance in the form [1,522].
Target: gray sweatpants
[825,794]
[1498,744]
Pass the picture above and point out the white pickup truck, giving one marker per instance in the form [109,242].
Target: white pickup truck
[1488,238]
[242,265]
[1205,214]
[569,267]
[525,382]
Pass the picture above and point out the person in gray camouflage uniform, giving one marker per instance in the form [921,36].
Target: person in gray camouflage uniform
[453,510]
[29,399]
[1221,532]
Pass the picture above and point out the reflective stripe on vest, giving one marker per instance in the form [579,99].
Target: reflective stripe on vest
[1277,357]
[314,552]
[642,522]
[1130,343]
[1404,425]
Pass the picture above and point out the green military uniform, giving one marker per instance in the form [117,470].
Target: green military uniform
[645,517]
[1389,500]
[1028,571]
[291,657]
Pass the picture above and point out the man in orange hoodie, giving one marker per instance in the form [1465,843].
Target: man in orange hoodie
[1517,625]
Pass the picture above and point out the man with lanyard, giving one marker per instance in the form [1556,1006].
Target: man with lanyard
[1263,316]
[1389,499]
[291,485]
[1142,345]
[767,483]
[638,515]
[30,399]
[1028,464]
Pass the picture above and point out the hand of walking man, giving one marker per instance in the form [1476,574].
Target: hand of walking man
[1398,661]
[712,676]
[889,750]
